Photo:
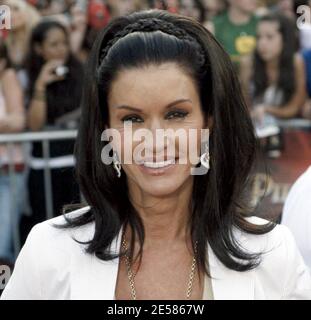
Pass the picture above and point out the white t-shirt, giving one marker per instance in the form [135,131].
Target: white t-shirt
[297,214]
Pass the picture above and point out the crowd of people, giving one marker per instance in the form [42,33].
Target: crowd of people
[42,58]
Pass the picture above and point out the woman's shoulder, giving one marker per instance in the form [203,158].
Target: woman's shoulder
[50,233]
[54,232]
[46,257]
[270,241]
[276,246]
[55,244]
[299,61]
[282,269]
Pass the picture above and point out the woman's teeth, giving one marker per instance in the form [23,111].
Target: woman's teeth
[156,165]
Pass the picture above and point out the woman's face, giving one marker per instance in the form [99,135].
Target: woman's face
[156,97]
[18,16]
[269,40]
[55,45]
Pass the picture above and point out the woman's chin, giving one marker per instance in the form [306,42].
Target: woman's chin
[159,182]
[159,186]
[158,189]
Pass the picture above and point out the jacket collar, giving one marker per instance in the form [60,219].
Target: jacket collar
[95,279]
[229,284]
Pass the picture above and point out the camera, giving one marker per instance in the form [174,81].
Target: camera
[61,71]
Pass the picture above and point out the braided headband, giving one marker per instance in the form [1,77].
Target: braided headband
[149,25]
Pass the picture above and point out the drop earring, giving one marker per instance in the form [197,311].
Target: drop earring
[205,158]
[116,164]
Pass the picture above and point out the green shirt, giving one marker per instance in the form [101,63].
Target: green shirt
[237,39]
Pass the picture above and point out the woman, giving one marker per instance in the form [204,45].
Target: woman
[277,76]
[12,120]
[23,18]
[87,18]
[154,230]
[275,64]
[54,101]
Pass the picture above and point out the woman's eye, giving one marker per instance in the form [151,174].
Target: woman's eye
[132,118]
[176,114]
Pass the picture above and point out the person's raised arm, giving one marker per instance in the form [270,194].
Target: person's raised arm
[245,77]
[292,108]
[37,114]
[14,100]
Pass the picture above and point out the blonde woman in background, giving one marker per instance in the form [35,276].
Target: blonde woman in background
[23,18]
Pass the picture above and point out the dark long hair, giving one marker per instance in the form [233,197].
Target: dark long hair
[286,62]
[218,199]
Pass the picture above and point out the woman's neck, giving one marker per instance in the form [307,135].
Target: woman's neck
[165,218]
[272,70]
[273,64]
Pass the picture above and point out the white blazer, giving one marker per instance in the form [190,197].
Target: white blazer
[297,214]
[51,265]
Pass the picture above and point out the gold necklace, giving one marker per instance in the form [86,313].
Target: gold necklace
[131,276]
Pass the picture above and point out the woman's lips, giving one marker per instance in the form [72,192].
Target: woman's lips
[159,164]
[157,168]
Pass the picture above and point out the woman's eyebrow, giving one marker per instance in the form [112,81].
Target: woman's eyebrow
[167,107]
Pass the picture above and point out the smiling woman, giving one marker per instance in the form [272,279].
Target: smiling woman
[155,231]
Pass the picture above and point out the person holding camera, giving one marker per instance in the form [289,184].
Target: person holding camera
[54,92]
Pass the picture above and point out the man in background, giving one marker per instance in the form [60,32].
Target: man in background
[235,29]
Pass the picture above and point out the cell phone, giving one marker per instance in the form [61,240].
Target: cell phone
[61,71]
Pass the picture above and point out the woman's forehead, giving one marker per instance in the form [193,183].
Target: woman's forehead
[161,84]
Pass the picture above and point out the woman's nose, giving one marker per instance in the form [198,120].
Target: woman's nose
[157,141]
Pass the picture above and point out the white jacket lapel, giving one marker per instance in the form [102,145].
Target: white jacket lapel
[94,279]
[228,284]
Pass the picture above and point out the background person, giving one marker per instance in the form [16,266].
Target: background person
[23,18]
[236,28]
[52,97]
[12,120]
[275,61]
